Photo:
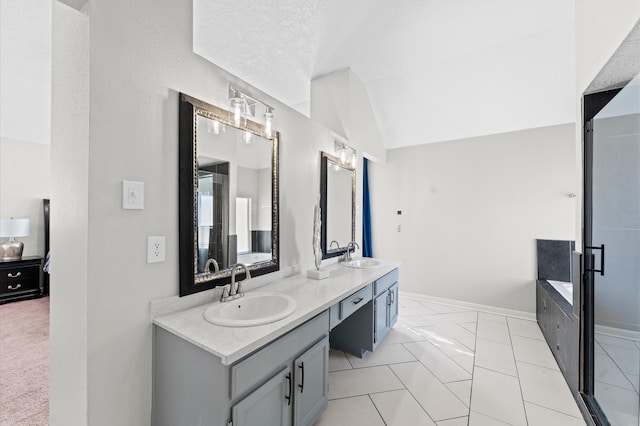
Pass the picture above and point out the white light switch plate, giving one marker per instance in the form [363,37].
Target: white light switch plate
[132,195]
[156,249]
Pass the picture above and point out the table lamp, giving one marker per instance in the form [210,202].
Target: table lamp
[11,249]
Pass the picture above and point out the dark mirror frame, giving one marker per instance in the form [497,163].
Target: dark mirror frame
[191,282]
[327,252]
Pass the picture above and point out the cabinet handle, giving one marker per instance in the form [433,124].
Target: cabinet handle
[288,397]
[301,385]
[10,287]
[10,275]
[358,300]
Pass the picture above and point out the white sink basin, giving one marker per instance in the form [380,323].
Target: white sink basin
[362,263]
[254,308]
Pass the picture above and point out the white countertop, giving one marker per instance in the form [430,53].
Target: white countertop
[231,344]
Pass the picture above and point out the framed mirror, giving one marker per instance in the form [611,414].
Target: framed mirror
[228,197]
[338,206]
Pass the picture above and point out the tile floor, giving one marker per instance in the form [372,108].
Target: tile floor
[449,366]
[617,367]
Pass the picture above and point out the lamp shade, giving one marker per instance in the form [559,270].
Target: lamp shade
[14,227]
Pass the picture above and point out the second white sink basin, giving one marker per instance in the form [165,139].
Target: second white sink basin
[255,308]
[362,263]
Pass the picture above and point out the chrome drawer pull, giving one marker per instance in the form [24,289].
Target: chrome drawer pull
[358,300]
[10,275]
[14,288]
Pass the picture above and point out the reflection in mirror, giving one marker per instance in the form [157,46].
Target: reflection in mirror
[228,197]
[337,201]
[234,197]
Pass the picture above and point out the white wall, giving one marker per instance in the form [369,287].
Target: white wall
[140,58]
[471,211]
[69,320]
[25,179]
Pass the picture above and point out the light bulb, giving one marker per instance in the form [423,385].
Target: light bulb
[354,160]
[248,137]
[269,118]
[216,127]
[343,156]
[237,111]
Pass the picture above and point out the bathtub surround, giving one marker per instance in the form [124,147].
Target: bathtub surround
[554,259]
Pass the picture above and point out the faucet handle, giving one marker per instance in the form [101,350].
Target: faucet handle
[225,293]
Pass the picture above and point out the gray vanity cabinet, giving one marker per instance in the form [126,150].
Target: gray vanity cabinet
[283,383]
[269,405]
[365,328]
[386,312]
[301,393]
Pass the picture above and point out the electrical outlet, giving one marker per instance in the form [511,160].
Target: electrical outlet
[156,249]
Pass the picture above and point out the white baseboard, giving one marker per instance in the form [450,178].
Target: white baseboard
[468,305]
[617,332]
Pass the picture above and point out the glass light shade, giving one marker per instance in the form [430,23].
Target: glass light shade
[238,111]
[354,160]
[14,227]
[269,124]
[247,137]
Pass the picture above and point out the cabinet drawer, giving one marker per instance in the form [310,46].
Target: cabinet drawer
[382,284]
[18,274]
[355,302]
[255,369]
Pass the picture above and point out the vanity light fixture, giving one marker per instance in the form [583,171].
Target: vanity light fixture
[11,249]
[346,154]
[242,105]
[216,127]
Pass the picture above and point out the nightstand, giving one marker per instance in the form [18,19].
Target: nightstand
[20,279]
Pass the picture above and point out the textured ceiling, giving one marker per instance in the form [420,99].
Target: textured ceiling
[435,70]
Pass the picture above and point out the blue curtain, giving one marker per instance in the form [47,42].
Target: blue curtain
[367,248]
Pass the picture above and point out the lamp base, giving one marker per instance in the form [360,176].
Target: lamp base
[11,250]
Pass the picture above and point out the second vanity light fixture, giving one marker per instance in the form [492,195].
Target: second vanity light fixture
[242,105]
[346,154]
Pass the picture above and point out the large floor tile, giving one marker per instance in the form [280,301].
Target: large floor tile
[405,335]
[477,419]
[356,411]
[541,416]
[605,339]
[524,328]
[533,351]
[606,371]
[415,310]
[462,390]
[399,408]
[460,421]
[495,356]
[362,381]
[628,360]
[443,338]
[439,402]
[470,326]
[465,362]
[546,387]
[338,361]
[493,330]
[497,396]
[459,333]
[384,354]
[620,405]
[443,309]
[458,317]
[443,367]
[412,321]
[492,317]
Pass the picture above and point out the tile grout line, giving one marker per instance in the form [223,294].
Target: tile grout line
[376,408]
[524,407]
[411,393]
[616,364]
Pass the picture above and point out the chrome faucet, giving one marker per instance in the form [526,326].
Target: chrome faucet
[334,241]
[207,265]
[347,253]
[234,290]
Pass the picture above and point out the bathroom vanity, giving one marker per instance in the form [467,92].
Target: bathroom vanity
[272,374]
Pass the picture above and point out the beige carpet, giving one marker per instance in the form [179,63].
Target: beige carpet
[24,363]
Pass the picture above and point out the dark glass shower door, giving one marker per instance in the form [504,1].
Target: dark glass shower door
[612,261]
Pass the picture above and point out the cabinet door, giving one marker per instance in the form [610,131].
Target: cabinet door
[381,314]
[269,405]
[311,383]
[393,305]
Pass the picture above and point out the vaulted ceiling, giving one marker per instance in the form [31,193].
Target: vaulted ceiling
[435,70]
